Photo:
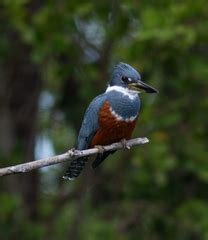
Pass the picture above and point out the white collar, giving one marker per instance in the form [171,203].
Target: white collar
[132,94]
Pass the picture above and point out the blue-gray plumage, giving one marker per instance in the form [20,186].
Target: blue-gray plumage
[122,104]
[111,116]
[122,70]
[90,122]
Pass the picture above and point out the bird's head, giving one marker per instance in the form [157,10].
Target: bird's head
[127,77]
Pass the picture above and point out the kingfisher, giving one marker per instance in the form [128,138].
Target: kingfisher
[110,117]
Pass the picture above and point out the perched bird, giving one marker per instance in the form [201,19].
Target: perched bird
[111,116]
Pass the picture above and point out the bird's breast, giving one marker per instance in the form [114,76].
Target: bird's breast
[112,126]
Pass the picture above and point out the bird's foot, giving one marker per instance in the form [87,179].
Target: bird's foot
[100,148]
[125,144]
[72,151]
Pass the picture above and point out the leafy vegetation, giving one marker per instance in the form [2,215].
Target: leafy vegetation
[55,56]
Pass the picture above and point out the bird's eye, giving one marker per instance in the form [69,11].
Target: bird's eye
[126,80]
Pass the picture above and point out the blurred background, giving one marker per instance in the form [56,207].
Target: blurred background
[55,57]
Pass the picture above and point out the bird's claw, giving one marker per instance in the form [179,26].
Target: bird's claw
[100,148]
[125,144]
[72,150]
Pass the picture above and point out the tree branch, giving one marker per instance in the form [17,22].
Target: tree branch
[70,155]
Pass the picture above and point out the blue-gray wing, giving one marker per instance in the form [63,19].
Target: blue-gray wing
[90,122]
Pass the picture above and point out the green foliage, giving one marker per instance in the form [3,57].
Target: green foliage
[157,191]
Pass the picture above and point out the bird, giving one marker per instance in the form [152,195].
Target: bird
[111,116]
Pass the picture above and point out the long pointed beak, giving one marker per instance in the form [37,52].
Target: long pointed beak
[139,85]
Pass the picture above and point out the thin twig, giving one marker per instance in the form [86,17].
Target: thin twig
[70,155]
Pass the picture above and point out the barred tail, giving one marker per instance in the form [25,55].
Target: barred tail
[75,168]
